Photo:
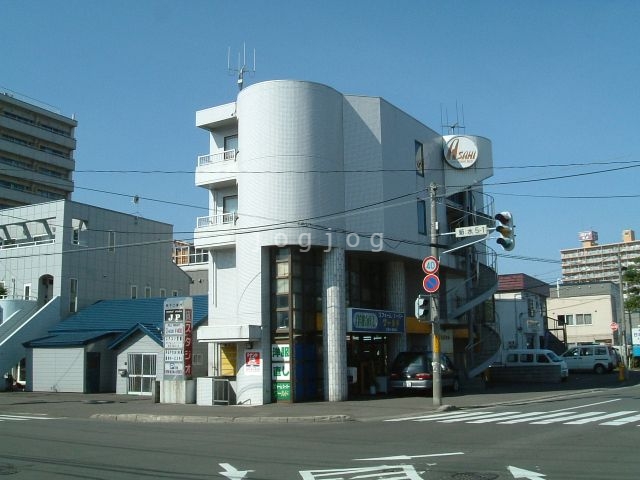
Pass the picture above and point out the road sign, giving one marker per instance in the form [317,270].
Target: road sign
[430,265]
[431,283]
[614,326]
[471,231]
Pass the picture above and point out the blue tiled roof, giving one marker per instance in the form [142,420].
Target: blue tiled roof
[68,339]
[118,317]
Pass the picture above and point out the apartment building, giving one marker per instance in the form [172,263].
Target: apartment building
[320,215]
[36,153]
[592,262]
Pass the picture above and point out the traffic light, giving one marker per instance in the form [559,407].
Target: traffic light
[506,229]
[422,308]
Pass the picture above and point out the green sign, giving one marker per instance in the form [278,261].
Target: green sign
[282,390]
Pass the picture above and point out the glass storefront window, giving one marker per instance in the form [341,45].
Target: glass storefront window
[282,285]
[282,269]
[282,301]
[282,319]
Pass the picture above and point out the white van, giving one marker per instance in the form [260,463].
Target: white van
[535,358]
[598,358]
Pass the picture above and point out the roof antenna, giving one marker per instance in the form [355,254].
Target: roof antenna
[454,128]
[242,65]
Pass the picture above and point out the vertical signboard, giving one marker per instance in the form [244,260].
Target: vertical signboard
[281,371]
[178,338]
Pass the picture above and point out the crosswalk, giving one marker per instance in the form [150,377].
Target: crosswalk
[23,418]
[564,417]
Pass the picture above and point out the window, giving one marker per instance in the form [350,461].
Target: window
[541,358]
[531,307]
[569,319]
[112,241]
[526,358]
[197,359]
[134,292]
[141,372]
[78,226]
[229,208]
[147,292]
[27,291]
[163,292]
[174,293]
[231,143]
[419,158]
[583,319]
[422,217]
[73,295]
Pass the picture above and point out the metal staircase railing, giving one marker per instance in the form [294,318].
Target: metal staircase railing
[479,288]
[481,354]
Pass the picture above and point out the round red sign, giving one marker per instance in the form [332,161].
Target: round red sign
[431,283]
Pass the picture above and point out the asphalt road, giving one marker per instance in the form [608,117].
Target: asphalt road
[590,435]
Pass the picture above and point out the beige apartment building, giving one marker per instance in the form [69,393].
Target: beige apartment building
[36,153]
[592,262]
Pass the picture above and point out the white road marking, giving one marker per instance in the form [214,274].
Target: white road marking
[407,457]
[601,417]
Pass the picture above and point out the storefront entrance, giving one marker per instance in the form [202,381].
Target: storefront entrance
[367,359]
[141,372]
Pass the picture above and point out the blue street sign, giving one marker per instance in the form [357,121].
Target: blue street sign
[431,283]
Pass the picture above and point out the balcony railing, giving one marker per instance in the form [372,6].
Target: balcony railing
[227,155]
[215,220]
[33,242]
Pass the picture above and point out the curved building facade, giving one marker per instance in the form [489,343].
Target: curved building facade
[319,218]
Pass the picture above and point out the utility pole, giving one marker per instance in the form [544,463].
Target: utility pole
[622,327]
[435,326]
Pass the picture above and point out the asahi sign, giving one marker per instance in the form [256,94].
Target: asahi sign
[460,151]
[177,338]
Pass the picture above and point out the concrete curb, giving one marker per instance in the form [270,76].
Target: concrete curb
[147,418]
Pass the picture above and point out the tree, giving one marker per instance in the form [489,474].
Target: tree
[631,276]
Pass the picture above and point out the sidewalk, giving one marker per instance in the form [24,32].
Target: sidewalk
[131,408]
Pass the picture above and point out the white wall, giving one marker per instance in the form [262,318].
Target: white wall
[58,370]
[138,344]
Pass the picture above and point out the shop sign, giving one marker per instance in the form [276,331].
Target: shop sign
[177,338]
[282,390]
[252,364]
[280,352]
[281,371]
[635,336]
[460,151]
[374,321]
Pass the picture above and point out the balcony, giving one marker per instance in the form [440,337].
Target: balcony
[217,169]
[216,231]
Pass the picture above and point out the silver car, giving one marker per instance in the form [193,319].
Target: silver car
[413,370]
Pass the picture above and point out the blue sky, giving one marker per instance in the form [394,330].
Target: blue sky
[553,84]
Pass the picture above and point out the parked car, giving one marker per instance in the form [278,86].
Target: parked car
[414,371]
[593,357]
[535,358]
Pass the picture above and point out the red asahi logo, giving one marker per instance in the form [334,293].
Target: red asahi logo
[459,151]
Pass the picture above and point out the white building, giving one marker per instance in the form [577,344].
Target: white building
[319,218]
[59,257]
[521,310]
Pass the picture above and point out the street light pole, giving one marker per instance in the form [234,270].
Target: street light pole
[435,325]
